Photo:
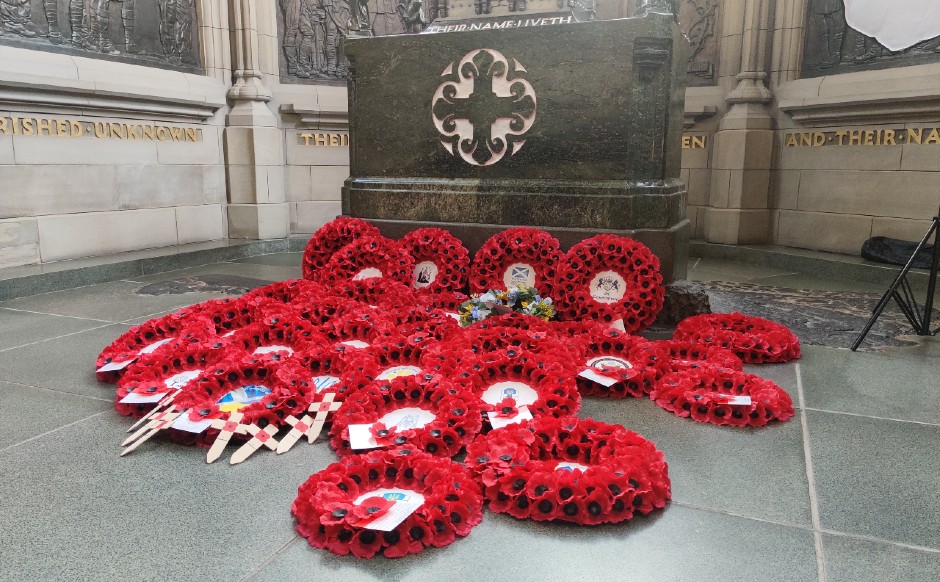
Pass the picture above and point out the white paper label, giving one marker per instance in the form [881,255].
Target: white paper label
[608,287]
[196,427]
[115,366]
[181,379]
[736,400]
[594,376]
[521,393]
[567,466]
[323,382]
[230,334]
[272,349]
[519,274]
[407,418]
[499,422]
[619,325]
[425,273]
[154,346]
[135,398]
[398,372]
[368,273]
[361,437]
[359,345]
[454,315]
[405,502]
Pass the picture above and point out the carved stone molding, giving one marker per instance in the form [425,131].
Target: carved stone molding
[697,113]
[874,108]
[319,116]
[168,95]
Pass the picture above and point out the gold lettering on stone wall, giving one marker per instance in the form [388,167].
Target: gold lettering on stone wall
[329,140]
[76,128]
[694,142]
[864,137]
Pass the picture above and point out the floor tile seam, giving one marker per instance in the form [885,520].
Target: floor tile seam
[725,512]
[53,431]
[57,315]
[45,389]
[810,478]
[162,312]
[860,537]
[887,419]
[267,561]
[59,337]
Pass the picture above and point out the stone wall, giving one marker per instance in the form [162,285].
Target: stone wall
[806,152]
[99,157]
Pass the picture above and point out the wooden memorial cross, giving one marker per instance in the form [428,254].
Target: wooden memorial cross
[164,421]
[227,427]
[154,420]
[307,425]
[260,437]
[167,401]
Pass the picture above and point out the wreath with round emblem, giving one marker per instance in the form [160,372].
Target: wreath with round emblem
[611,278]
[335,507]
[516,257]
[423,411]
[569,469]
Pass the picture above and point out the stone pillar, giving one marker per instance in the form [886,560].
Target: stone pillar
[789,28]
[214,40]
[254,154]
[739,206]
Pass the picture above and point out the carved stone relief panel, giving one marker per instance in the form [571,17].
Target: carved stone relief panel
[699,21]
[310,33]
[832,46]
[160,33]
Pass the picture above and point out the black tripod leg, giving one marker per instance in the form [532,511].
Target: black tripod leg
[897,283]
[932,281]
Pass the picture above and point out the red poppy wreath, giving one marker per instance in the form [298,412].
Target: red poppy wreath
[687,355]
[369,257]
[754,340]
[290,291]
[375,291]
[330,238]
[611,278]
[542,383]
[154,376]
[570,469]
[348,507]
[517,257]
[723,397]
[263,390]
[441,260]
[148,337]
[422,411]
[618,365]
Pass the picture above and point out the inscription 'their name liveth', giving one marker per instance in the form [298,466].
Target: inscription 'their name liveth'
[75,128]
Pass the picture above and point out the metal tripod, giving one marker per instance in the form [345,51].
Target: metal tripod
[903,293]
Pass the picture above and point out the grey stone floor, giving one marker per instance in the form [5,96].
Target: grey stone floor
[848,490]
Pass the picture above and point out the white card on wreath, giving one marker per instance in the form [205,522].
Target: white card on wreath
[135,398]
[737,400]
[196,427]
[404,503]
[598,378]
[499,422]
[361,437]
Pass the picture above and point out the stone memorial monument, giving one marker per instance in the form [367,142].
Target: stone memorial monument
[523,119]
